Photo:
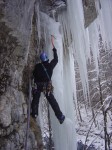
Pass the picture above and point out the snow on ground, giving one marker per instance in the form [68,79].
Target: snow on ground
[96,134]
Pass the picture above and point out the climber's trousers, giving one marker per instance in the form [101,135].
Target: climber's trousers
[52,101]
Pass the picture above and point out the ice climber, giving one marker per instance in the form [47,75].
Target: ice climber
[42,77]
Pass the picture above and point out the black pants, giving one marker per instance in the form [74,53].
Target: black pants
[51,99]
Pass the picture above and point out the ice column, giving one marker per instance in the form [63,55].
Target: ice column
[64,134]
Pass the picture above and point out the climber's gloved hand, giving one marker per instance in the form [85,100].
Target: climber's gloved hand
[34,90]
[54,49]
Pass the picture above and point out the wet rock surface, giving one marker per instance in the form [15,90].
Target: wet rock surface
[90,12]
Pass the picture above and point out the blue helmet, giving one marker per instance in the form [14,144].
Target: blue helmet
[43,57]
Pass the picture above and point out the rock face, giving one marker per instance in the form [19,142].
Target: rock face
[17,59]
[90,13]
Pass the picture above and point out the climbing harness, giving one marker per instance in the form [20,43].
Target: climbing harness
[48,88]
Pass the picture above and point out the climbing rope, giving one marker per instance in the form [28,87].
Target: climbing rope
[50,129]
[28,115]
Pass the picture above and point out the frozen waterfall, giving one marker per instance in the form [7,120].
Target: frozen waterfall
[73,41]
[64,135]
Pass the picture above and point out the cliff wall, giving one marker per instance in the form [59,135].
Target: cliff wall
[17,59]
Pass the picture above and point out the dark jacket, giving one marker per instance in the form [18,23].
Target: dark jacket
[39,72]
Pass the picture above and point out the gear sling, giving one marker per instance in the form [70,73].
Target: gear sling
[47,89]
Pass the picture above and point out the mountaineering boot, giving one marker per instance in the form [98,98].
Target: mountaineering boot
[61,119]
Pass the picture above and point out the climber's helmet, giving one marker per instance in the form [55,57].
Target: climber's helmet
[43,57]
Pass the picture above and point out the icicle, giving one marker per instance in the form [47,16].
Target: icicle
[73,28]
[83,40]
[38,21]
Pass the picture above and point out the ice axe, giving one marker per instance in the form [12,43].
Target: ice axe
[52,40]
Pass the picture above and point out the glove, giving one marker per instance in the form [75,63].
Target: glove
[54,49]
[34,91]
